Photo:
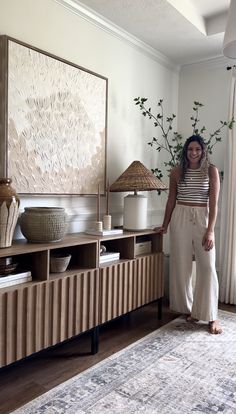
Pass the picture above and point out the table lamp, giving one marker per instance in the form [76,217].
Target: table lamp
[136,178]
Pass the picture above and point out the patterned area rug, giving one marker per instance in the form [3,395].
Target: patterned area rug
[178,369]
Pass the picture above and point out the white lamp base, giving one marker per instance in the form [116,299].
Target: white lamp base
[135,212]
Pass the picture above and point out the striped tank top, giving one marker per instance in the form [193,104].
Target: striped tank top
[194,188]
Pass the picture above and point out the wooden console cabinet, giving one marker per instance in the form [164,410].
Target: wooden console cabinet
[57,306]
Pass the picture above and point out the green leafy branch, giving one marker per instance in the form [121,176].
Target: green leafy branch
[172,142]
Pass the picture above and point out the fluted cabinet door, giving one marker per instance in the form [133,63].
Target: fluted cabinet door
[23,321]
[116,290]
[149,284]
[73,305]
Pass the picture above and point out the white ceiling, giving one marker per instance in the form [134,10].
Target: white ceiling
[185,31]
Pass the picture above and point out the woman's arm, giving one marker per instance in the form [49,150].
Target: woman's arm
[170,205]
[208,239]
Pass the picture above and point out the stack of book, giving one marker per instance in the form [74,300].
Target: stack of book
[112,232]
[108,257]
[15,279]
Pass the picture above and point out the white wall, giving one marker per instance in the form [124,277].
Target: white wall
[51,27]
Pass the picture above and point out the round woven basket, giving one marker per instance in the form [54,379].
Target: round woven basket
[43,224]
[59,263]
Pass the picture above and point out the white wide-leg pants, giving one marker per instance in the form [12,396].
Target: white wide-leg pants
[187,228]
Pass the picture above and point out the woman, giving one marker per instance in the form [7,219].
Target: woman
[191,210]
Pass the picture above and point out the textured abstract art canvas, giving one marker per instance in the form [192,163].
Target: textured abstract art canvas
[56,124]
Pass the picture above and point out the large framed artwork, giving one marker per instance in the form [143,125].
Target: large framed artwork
[53,122]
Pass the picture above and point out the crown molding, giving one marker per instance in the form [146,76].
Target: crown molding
[213,63]
[96,19]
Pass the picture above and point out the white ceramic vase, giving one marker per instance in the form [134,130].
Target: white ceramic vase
[9,210]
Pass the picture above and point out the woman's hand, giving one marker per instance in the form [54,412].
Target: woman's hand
[208,240]
[160,230]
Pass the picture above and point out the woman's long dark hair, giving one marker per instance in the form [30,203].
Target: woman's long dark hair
[204,163]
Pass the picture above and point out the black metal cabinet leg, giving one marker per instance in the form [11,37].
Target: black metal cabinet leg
[94,340]
[159,307]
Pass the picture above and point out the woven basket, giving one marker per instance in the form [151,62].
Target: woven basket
[43,224]
[59,263]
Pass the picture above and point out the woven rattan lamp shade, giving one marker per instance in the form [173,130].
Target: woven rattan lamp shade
[137,178]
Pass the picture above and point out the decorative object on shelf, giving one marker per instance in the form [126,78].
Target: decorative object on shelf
[40,140]
[43,224]
[107,216]
[8,269]
[59,262]
[144,247]
[9,210]
[136,178]
[7,266]
[103,249]
[98,223]
[229,43]
[107,222]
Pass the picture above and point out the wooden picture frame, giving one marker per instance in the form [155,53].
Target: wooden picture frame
[53,122]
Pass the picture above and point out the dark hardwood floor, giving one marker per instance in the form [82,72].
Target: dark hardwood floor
[27,379]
